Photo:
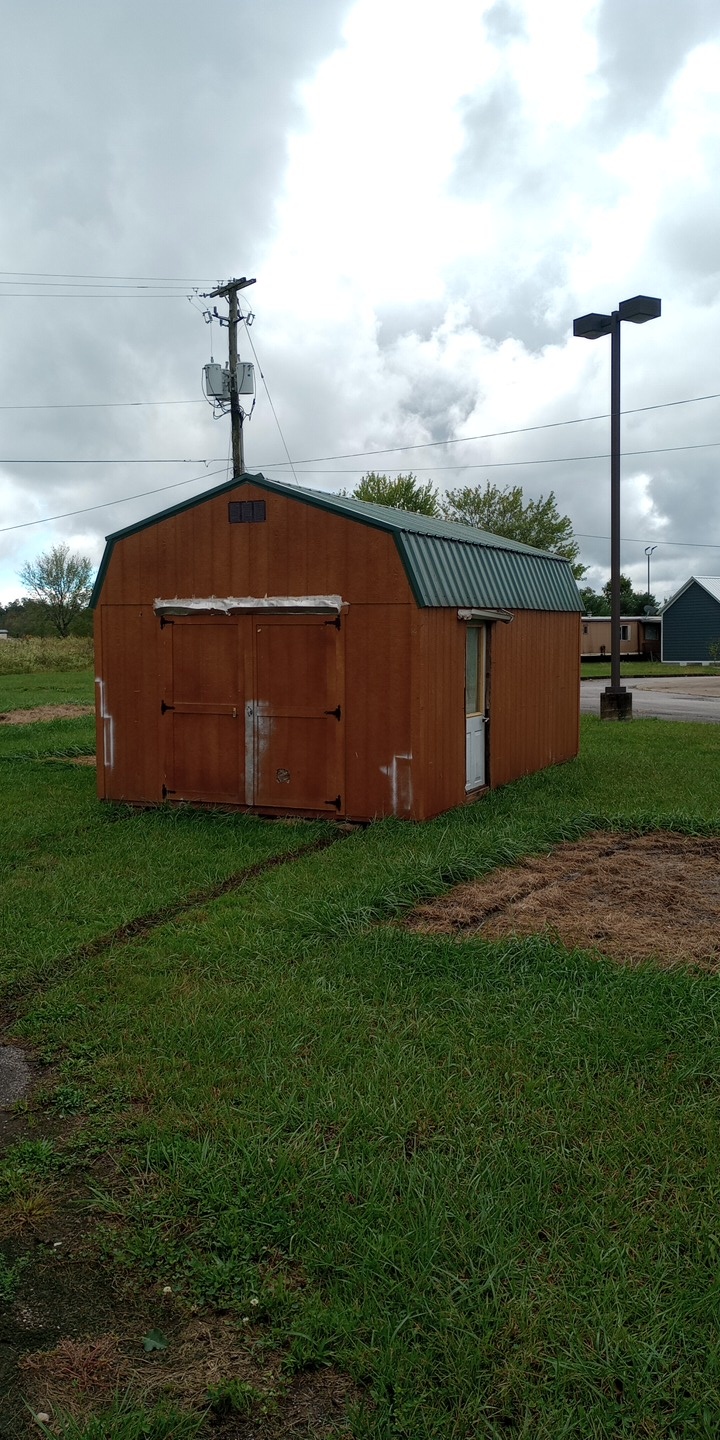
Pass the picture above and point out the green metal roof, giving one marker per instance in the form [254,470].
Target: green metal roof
[446,564]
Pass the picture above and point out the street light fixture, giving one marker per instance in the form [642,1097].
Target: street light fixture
[648,551]
[616,701]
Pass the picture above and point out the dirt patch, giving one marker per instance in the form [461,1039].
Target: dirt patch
[71,760]
[633,898]
[72,1337]
[45,712]
[209,1365]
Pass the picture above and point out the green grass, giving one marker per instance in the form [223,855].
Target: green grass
[22,691]
[74,869]
[600,669]
[123,1420]
[481,1178]
[61,738]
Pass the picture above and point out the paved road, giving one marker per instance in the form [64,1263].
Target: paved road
[671,698]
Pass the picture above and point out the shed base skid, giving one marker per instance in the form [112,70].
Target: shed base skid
[616,704]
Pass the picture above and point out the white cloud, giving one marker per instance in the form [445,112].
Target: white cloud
[426,206]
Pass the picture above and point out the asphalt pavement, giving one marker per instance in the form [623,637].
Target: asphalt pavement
[14,1075]
[696,697]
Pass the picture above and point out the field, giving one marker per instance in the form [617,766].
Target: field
[293,1168]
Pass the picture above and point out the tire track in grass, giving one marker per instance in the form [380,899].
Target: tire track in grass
[143,924]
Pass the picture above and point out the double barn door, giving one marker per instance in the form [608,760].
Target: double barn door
[252,710]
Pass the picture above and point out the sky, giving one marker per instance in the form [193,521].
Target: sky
[426,197]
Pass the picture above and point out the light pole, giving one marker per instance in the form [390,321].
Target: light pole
[615,700]
[648,551]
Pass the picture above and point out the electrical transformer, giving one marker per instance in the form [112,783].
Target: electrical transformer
[217,381]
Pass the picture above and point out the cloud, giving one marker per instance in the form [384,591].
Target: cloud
[642,46]
[425,207]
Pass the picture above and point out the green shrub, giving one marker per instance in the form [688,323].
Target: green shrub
[36,653]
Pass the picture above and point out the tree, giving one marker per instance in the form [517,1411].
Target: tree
[404,492]
[632,602]
[61,581]
[594,604]
[506,512]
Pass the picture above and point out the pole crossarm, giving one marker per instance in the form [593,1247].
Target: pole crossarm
[226,289]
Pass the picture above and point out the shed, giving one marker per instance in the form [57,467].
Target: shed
[287,651]
[691,621]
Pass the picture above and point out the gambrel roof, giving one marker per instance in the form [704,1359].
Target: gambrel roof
[446,564]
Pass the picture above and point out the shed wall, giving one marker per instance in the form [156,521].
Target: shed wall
[534,693]
[296,551]
[438,710]
[690,625]
[404,666]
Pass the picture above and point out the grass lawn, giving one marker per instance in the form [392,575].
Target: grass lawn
[480,1179]
[51,687]
[600,669]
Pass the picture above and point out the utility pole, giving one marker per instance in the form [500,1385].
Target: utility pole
[229,292]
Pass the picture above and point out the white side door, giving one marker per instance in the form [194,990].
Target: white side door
[475,717]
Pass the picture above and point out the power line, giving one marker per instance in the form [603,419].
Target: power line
[627,539]
[83,295]
[392,470]
[108,504]
[506,464]
[161,489]
[359,454]
[95,284]
[100,405]
[212,460]
[37,275]
[272,407]
[498,434]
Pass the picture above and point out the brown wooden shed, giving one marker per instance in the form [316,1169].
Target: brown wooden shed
[290,652]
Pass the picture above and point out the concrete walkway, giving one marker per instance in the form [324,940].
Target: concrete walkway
[673,698]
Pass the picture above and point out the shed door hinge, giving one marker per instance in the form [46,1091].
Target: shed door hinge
[165,792]
[336,802]
[335,622]
[164,707]
[337,712]
[164,621]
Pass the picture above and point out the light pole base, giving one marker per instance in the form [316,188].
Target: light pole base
[616,704]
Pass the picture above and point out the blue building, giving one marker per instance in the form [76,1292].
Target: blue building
[691,622]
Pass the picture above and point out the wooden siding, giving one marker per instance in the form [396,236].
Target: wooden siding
[377,691]
[403,713]
[128,703]
[438,711]
[534,704]
[298,550]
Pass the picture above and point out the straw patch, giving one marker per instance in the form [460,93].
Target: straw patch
[45,712]
[633,898]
